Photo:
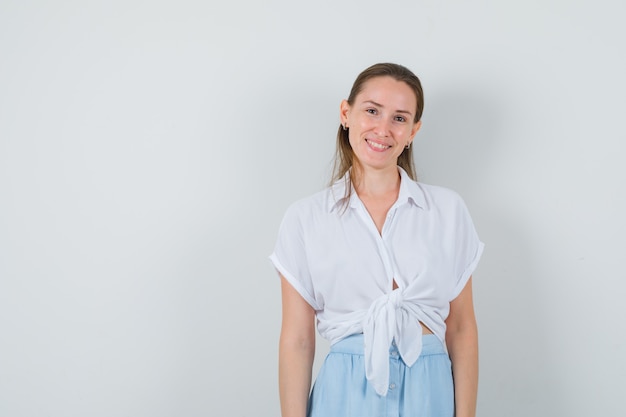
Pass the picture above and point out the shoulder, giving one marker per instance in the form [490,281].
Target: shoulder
[440,198]
[447,209]
[305,210]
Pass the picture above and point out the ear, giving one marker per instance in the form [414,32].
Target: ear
[344,111]
[415,128]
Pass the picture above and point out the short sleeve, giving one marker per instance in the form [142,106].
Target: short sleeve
[289,256]
[468,248]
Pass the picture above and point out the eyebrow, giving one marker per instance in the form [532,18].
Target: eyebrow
[380,105]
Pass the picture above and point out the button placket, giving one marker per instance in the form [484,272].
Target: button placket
[393,394]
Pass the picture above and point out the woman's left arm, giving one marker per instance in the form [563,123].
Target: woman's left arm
[462,341]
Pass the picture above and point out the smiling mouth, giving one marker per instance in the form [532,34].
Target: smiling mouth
[376,145]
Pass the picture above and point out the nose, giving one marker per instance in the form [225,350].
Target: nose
[383,126]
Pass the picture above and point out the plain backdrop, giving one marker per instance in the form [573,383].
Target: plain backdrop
[148,150]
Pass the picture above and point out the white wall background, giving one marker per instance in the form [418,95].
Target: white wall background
[149,149]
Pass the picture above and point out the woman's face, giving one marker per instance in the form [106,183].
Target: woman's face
[380,122]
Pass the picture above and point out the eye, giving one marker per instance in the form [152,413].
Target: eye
[371,111]
[400,119]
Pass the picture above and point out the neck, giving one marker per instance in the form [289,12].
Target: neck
[376,183]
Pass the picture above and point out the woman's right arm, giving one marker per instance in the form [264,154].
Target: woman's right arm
[296,352]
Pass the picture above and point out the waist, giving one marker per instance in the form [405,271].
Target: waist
[431,345]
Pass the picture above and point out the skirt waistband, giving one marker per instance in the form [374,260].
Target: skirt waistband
[353,345]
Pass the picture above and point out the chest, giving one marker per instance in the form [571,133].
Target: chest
[347,255]
[378,210]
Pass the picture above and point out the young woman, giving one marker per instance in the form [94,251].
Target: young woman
[383,265]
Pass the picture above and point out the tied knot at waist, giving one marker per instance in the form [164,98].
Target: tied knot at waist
[395,298]
[390,317]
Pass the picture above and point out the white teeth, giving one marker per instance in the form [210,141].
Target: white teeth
[377,145]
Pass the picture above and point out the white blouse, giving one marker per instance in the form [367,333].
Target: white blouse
[337,261]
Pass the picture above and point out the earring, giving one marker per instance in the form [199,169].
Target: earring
[344,127]
[408,145]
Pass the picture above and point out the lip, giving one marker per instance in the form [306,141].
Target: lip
[377,145]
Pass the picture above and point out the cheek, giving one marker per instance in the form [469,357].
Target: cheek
[362,121]
[404,131]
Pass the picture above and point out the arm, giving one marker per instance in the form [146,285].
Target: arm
[296,352]
[462,340]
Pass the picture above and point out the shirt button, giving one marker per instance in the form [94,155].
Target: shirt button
[392,386]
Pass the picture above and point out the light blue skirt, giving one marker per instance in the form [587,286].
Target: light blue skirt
[422,390]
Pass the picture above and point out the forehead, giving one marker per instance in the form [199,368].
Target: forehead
[389,92]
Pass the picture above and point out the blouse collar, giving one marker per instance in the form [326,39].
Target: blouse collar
[410,191]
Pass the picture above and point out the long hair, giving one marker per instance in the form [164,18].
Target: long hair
[344,155]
